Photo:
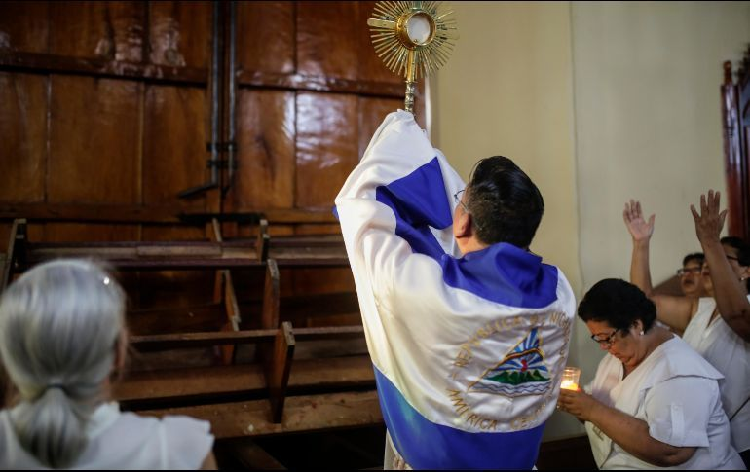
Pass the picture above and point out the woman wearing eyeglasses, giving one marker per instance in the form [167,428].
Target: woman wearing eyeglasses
[654,401]
[691,282]
[717,326]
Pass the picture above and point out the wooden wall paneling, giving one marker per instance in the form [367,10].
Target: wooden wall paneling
[743,91]
[78,232]
[266,37]
[127,20]
[105,29]
[95,140]
[180,33]
[174,150]
[326,39]
[370,67]
[326,146]
[95,150]
[24,26]
[23,136]
[266,161]
[371,111]
[733,153]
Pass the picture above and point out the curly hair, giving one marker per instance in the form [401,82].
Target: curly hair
[618,303]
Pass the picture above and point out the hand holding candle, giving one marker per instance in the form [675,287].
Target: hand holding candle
[570,378]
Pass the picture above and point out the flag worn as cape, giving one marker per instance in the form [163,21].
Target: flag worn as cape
[468,351]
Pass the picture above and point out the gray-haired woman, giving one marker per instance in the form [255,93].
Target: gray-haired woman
[62,333]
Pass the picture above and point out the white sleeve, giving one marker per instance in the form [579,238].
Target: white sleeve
[678,410]
[379,199]
[187,442]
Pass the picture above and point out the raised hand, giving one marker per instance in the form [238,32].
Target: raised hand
[637,226]
[710,221]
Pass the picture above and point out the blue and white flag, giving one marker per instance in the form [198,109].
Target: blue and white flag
[468,351]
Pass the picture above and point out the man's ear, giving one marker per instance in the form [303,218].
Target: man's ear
[638,325]
[462,226]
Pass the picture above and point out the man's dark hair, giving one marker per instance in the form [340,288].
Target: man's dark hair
[695,256]
[743,250]
[619,303]
[504,203]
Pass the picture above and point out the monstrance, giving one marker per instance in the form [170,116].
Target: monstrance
[412,38]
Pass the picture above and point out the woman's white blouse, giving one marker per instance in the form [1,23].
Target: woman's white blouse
[676,392]
[123,441]
[730,355]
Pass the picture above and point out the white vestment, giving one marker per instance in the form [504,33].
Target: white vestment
[468,351]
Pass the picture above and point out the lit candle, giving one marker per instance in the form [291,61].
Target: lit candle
[569,384]
[570,378]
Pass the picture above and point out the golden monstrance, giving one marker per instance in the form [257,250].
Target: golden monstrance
[412,38]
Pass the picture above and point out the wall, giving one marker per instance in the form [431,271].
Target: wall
[648,123]
[598,103]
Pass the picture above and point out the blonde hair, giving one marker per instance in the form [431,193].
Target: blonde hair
[59,327]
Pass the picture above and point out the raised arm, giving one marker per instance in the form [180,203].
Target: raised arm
[641,231]
[672,311]
[396,203]
[731,298]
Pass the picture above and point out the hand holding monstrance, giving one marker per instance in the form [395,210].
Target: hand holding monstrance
[413,38]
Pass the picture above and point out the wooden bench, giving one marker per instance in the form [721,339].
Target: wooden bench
[266,389]
[272,389]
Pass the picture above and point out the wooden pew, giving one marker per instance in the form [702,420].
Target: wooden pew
[274,389]
[205,387]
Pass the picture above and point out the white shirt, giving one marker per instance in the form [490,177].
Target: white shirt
[676,392]
[730,355]
[122,441]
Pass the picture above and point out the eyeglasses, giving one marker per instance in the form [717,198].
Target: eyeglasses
[693,270]
[457,198]
[607,342]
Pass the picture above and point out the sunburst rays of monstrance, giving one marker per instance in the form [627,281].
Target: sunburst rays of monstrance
[413,39]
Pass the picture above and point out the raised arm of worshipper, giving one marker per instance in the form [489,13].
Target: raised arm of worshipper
[468,350]
[396,204]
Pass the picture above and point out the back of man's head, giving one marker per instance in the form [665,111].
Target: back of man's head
[504,203]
